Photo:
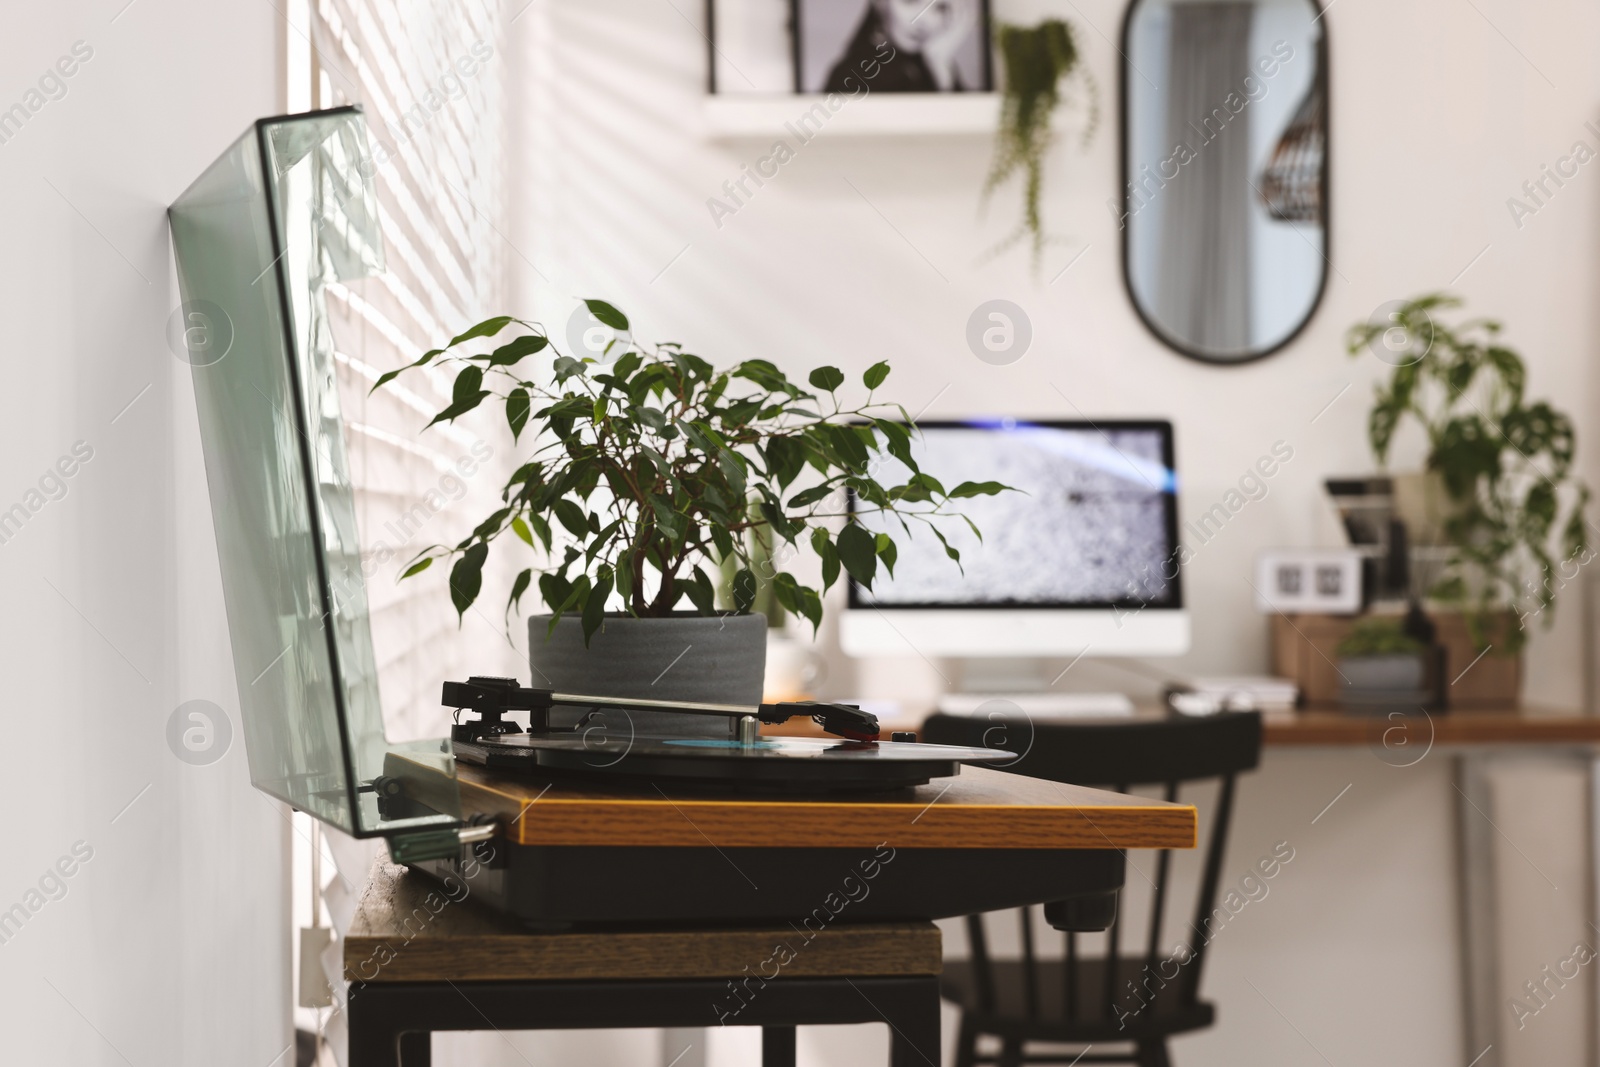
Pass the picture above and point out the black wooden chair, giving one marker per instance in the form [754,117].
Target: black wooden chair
[1139,999]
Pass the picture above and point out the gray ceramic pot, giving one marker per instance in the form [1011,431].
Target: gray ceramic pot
[717,659]
[1381,681]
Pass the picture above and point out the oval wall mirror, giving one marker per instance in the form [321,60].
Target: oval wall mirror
[1224,206]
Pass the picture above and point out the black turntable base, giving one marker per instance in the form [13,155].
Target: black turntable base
[604,737]
[766,764]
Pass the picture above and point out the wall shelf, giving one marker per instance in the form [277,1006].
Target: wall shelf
[763,117]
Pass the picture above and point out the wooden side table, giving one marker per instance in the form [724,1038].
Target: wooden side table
[648,939]
[421,956]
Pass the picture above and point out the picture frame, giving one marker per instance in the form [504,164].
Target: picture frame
[1320,580]
[850,47]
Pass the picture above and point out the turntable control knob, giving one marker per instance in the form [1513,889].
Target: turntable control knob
[903,735]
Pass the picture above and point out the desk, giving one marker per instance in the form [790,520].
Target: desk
[1498,726]
[1477,740]
[1332,726]
[1481,748]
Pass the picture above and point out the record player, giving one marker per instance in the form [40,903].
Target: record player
[563,818]
[854,761]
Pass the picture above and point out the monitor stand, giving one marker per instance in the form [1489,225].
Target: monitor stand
[1005,686]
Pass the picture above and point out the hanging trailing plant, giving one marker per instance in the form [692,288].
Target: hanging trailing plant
[1036,59]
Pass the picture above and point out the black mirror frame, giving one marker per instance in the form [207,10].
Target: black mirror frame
[1322,80]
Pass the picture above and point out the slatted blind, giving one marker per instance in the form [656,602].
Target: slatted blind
[432,80]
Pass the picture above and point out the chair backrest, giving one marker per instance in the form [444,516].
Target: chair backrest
[1119,754]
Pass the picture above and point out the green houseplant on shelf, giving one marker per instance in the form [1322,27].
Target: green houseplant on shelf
[1497,490]
[1036,60]
[651,473]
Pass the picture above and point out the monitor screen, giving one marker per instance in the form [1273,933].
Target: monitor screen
[1094,524]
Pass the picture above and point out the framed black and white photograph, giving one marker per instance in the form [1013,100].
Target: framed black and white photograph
[894,46]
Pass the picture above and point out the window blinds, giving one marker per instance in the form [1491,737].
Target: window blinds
[432,80]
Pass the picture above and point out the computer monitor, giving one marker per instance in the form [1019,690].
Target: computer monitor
[1084,560]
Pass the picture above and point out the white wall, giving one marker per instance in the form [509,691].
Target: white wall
[170,944]
[867,249]
[872,248]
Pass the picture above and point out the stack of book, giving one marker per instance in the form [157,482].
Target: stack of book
[1248,693]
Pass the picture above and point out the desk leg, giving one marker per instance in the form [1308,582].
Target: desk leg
[1480,971]
[1484,982]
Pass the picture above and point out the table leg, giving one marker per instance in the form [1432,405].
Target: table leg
[416,1049]
[914,1034]
[777,1046]
[374,1041]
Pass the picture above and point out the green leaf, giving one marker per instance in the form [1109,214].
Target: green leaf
[517,407]
[459,408]
[468,383]
[625,365]
[848,445]
[518,587]
[513,352]
[701,593]
[623,573]
[823,547]
[669,521]
[541,529]
[767,376]
[555,589]
[827,378]
[744,591]
[886,552]
[898,440]
[810,606]
[566,368]
[798,598]
[1540,509]
[971,489]
[417,567]
[486,328]
[390,375]
[786,458]
[520,528]
[807,497]
[572,517]
[858,551]
[606,314]
[594,604]
[875,374]
[783,588]
[466,578]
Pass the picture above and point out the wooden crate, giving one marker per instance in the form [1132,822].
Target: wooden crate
[1304,650]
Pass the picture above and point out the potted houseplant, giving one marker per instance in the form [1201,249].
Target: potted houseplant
[1496,489]
[1036,59]
[650,472]
[1381,666]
